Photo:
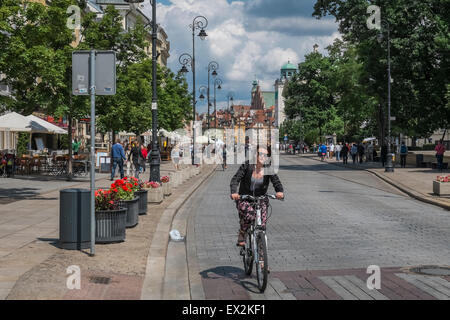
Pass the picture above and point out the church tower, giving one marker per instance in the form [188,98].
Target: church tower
[287,71]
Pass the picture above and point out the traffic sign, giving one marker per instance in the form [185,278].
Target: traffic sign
[105,73]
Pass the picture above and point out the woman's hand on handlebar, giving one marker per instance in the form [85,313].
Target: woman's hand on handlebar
[235,196]
[280,195]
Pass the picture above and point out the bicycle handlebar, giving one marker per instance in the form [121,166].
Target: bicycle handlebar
[252,198]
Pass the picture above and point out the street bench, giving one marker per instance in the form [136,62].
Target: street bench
[425,164]
[444,165]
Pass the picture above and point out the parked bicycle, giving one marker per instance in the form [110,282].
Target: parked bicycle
[255,249]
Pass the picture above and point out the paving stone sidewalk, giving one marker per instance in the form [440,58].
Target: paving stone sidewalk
[33,267]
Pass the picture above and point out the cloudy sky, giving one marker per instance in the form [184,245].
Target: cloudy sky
[248,38]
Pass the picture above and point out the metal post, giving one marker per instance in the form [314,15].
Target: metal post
[92,88]
[208,118]
[155,154]
[389,163]
[193,92]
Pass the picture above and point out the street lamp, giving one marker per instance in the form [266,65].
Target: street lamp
[199,22]
[155,154]
[218,83]
[212,66]
[380,38]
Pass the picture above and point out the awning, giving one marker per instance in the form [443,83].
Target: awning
[369,139]
[51,128]
[14,122]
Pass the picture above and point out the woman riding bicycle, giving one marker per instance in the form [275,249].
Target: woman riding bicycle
[252,181]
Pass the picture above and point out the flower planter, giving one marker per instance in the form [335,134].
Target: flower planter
[441,188]
[167,189]
[175,178]
[155,195]
[143,198]
[184,175]
[132,212]
[110,225]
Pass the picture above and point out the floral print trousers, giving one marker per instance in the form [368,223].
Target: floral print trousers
[247,213]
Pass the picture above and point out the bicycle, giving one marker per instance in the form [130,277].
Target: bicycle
[255,249]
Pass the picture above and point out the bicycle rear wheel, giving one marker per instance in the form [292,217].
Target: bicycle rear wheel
[261,263]
[248,254]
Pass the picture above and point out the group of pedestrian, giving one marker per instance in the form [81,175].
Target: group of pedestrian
[134,155]
[297,148]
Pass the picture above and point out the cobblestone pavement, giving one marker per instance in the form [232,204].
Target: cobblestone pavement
[334,223]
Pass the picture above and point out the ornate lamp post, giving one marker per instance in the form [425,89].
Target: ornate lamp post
[218,84]
[201,23]
[154,155]
[389,163]
[212,67]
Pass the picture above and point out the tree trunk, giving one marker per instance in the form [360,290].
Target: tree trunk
[69,138]
[443,136]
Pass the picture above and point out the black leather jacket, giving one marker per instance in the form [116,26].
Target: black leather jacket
[243,178]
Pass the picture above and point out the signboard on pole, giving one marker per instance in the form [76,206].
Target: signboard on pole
[105,73]
[93,73]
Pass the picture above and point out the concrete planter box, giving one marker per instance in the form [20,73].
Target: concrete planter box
[184,175]
[441,188]
[175,178]
[155,195]
[167,188]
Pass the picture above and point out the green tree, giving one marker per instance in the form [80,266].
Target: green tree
[420,61]
[309,94]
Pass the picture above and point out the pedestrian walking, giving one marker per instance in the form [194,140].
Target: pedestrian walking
[369,152]
[361,151]
[314,147]
[403,154]
[354,152]
[322,151]
[144,158]
[76,146]
[118,156]
[383,154]
[440,150]
[344,153]
[175,155]
[136,157]
[332,149]
[338,150]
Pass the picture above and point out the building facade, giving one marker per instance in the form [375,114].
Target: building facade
[286,73]
[131,13]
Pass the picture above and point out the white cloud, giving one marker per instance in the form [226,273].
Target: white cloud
[244,44]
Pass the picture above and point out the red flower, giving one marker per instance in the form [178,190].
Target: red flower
[113,185]
[96,193]
[111,202]
[115,190]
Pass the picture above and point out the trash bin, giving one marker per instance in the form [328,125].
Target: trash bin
[419,160]
[74,219]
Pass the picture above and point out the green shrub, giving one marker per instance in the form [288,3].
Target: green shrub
[428,147]
[22,143]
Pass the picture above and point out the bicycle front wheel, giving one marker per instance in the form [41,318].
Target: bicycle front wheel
[248,254]
[261,263]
